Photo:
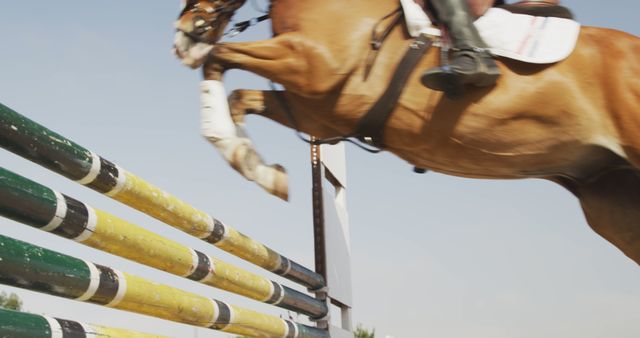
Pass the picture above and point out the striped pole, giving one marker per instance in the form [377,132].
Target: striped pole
[16,324]
[33,204]
[38,269]
[35,142]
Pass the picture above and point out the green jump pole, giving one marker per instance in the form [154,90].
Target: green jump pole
[14,324]
[36,205]
[38,269]
[35,142]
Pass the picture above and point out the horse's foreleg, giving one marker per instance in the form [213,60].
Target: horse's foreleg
[218,127]
[223,126]
[290,59]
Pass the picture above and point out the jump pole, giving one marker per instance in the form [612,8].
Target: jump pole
[15,324]
[51,150]
[38,144]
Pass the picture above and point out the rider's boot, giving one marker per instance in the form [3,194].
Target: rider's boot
[471,62]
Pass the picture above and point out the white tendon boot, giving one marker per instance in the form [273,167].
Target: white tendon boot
[218,128]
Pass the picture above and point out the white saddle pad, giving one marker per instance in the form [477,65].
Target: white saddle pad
[521,37]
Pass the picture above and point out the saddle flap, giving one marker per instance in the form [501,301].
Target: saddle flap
[527,38]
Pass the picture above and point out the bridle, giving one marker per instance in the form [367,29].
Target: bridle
[203,25]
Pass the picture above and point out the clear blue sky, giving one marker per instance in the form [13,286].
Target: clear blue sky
[433,256]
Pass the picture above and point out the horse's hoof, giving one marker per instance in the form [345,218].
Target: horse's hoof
[418,170]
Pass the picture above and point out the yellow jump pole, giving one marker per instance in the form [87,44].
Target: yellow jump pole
[33,204]
[38,269]
[35,142]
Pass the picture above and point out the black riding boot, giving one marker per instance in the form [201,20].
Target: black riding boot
[471,63]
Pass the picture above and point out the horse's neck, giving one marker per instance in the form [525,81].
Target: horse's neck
[317,17]
[292,9]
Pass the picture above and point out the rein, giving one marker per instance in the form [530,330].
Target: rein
[241,26]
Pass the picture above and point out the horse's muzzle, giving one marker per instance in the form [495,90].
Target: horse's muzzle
[192,52]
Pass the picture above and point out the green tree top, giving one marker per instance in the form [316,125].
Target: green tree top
[364,333]
[11,301]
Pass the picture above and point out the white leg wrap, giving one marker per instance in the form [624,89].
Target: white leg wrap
[215,115]
[218,128]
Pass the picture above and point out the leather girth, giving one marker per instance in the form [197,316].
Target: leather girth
[370,129]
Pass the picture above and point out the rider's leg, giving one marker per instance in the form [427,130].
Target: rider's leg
[471,63]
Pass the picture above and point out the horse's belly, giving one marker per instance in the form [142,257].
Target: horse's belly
[464,160]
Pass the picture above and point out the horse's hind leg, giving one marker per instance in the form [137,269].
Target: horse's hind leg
[611,203]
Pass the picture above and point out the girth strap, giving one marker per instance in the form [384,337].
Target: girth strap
[371,127]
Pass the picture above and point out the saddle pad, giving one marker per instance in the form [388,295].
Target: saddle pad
[527,38]
[520,37]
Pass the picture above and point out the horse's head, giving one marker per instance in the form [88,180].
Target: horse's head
[200,25]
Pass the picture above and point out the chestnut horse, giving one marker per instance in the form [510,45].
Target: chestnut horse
[575,122]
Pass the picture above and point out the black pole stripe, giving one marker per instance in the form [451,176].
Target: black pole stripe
[75,220]
[224,316]
[202,268]
[217,234]
[108,287]
[107,179]
[71,329]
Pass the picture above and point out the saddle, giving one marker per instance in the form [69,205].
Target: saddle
[370,128]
